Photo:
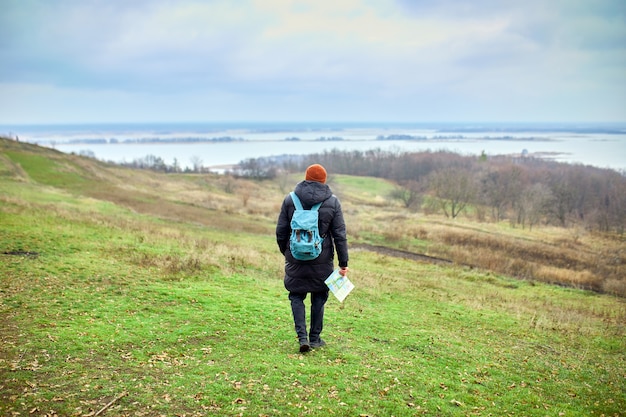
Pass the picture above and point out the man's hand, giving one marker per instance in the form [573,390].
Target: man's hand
[343,271]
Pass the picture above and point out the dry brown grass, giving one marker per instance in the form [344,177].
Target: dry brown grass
[569,257]
[577,263]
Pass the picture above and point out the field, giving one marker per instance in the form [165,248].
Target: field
[132,293]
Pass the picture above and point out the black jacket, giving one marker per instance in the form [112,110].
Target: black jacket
[309,276]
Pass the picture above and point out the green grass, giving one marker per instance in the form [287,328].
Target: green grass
[187,318]
[367,189]
[46,171]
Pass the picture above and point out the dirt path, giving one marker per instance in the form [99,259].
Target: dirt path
[400,253]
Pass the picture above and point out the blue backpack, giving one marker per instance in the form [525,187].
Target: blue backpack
[305,242]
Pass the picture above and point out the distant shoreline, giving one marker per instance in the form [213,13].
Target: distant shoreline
[185,140]
[227,144]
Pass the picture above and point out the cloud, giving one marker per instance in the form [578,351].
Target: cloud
[365,58]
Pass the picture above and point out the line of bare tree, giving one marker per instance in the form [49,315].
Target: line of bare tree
[524,190]
[158,164]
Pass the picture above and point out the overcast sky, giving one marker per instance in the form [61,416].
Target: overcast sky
[80,61]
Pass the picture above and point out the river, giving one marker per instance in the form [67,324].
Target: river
[220,145]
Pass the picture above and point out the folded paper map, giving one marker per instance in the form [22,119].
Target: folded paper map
[340,286]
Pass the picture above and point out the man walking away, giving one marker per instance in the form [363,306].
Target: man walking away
[304,277]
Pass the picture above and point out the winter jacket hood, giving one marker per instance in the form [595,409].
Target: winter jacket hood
[312,192]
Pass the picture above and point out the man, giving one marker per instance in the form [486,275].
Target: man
[304,277]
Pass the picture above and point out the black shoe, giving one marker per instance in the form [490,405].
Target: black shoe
[320,343]
[304,347]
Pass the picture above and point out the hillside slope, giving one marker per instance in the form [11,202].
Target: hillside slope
[570,257]
[134,293]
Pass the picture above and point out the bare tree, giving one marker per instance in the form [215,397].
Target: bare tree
[532,204]
[500,189]
[565,193]
[454,189]
[609,213]
[410,193]
[176,166]
[197,163]
[245,190]
[228,183]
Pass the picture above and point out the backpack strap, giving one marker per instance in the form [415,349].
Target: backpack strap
[296,201]
[298,204]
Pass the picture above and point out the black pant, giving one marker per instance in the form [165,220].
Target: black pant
[318,299]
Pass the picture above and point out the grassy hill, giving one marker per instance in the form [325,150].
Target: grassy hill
[132,293]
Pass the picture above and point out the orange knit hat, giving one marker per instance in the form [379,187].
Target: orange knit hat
[316,172]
